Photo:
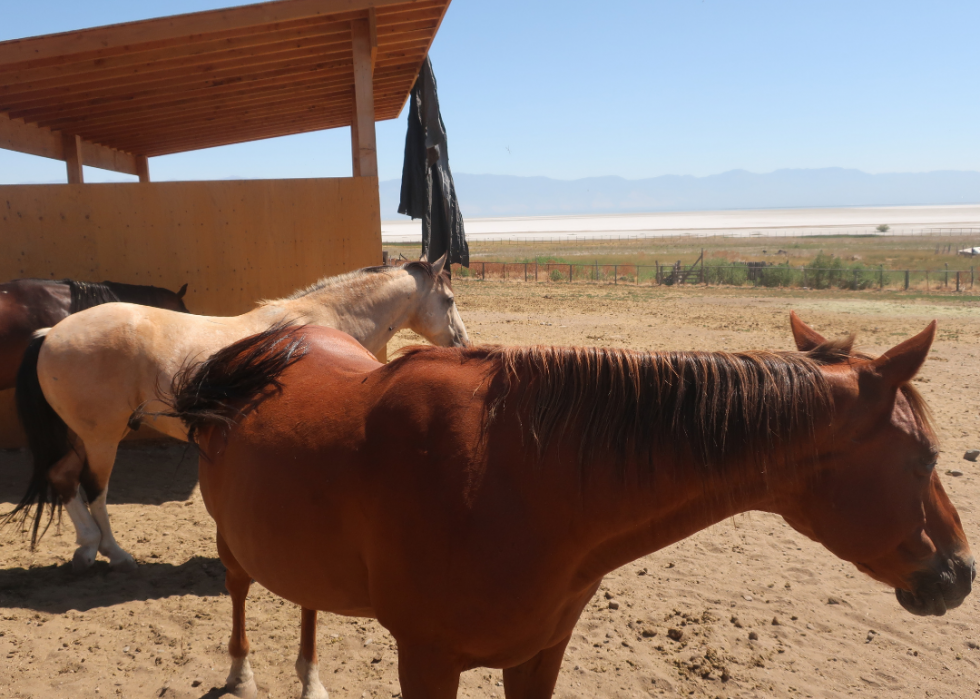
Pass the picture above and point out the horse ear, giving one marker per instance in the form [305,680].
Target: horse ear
[183,290]
[806,337]
[440,264]
[898,365]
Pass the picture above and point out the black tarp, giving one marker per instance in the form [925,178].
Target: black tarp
[428,191]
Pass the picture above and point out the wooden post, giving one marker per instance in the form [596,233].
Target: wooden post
[535,270]
[525,271]
[73,158]
[615,275]
[569,274]
[363,138]
[906,280]
[483,274]
[957,281]
[143,168]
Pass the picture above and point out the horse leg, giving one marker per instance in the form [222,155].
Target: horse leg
[240,682]
[425,673]
[101,459]
[65,477]
[306,666]
[535,678]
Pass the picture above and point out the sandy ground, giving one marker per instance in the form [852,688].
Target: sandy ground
[772,222]
[763,612]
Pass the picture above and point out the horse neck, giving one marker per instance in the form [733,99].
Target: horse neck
[624,516]
[371,309]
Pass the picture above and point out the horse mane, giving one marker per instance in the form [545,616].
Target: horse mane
[88,294]
[366,273]
[717,407]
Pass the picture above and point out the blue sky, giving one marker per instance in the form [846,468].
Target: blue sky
[636,88]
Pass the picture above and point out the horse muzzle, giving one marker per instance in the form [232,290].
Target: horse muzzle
[940,588]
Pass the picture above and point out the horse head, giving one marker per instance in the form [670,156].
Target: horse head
[436,317]
[875,498]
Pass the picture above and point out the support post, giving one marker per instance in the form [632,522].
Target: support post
[143,168]
[363,139]
[906,280]
[73,158]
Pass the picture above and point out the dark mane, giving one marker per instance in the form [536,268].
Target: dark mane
[88,294]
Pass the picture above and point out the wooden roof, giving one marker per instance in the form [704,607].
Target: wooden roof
[207,79]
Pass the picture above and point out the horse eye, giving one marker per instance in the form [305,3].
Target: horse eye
[927,469]
[451,300]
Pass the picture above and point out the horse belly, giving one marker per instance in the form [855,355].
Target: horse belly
[296,536]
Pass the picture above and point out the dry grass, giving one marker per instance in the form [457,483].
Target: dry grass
[892,252]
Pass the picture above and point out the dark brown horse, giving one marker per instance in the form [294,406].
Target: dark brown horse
[27,305]
[473,499]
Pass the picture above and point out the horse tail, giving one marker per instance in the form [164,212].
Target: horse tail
[219,390]
[47,439]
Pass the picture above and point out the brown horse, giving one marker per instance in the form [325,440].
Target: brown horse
[473,499]
[27,305]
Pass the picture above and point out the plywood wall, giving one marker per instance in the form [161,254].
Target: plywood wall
[233,243]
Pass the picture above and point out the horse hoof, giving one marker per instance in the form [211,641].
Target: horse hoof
[82,560]
[126,565]
[243,690]
[241,681]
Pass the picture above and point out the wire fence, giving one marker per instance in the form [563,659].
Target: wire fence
[757,274]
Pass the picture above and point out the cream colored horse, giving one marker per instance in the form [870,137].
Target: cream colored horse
[97,367]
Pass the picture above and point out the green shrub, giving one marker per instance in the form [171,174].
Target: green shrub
[777,276]
[556,276]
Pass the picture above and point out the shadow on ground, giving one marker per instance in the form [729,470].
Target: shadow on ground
[43,588]
[146,473]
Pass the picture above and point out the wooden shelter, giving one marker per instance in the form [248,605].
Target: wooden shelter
[113,97]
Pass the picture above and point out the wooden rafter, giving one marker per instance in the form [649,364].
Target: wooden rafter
[212,78]
[27,138]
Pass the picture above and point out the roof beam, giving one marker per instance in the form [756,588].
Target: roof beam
[27,138]
[179,27]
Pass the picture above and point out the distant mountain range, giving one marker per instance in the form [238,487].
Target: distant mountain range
[483,196]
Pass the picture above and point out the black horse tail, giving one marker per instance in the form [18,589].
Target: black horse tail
[47,439]
[219,390]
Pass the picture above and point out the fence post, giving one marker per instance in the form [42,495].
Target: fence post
[906,280]
[505,269]
[946,281]
[615,275]
[525,271]
[957,281]
[927,281]
[971,277]
[569,274]
[805,285]
[535,270]
[881,277]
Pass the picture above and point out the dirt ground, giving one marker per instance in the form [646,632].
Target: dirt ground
[763,612]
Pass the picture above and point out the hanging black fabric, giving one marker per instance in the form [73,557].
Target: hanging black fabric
[428,191]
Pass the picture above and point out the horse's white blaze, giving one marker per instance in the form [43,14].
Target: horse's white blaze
[309,675]
[87,531]
[241,681]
